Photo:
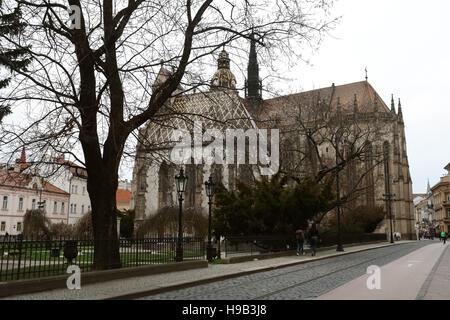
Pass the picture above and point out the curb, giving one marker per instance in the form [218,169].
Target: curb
[169,288]
[8,289]
[265,256]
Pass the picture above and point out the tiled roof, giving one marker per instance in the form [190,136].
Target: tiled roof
[123,196]
[13,179]
[219,109]
[282,107]
[73,168]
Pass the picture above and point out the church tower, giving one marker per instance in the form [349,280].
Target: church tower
[223,78]
[253,86]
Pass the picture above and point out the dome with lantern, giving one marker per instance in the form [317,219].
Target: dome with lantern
[223,78]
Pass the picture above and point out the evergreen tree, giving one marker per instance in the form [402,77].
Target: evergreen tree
[270,206]
[12,57]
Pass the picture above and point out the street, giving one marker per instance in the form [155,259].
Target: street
[405,270]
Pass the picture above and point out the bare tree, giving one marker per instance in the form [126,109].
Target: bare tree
[319,140]
[92,82]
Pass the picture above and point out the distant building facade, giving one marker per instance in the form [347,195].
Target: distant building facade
[123,199]
[441,198]
[20,192]
[67,176]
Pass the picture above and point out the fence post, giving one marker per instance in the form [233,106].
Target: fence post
[20,238]
[136,254]
[226,248]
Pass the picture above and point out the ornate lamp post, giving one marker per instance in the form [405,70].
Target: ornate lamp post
[181,182]
[210,188]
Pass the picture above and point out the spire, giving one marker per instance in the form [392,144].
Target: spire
[367,77]
[253,84]
[428,186]
[400,113]
[223,78]
[23,156]
[392,105]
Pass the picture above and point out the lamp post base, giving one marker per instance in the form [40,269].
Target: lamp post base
[340,248]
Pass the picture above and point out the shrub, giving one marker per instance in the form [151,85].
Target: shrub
[61,230]
[35,224]
[165,221]
[126,223]
[83,228]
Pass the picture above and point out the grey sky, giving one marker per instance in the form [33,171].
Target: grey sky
[405,46]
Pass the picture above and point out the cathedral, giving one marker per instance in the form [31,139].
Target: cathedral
[307,145]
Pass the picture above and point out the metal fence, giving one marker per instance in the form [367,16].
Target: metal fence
[255,245]
[33,258]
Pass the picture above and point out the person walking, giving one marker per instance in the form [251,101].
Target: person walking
[313,237]
[443,236]
[300,241]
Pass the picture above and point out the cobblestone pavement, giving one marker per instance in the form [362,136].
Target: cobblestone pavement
[305,281]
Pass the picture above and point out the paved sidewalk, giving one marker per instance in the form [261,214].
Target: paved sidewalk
[126,288]
[401,279]
[439,286]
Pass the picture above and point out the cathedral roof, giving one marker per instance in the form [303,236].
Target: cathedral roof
[218,109]
[328,97]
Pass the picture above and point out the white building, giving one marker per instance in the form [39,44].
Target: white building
[72,178]
[66,176]
[20,192]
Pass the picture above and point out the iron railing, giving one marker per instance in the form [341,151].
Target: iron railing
[255,245]
[33,258]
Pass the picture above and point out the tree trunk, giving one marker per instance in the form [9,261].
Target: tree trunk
[102,191]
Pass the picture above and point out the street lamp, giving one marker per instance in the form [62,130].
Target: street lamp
[181,181]
[338,191]
[210,188]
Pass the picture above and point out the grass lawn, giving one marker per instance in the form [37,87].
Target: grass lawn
[36,264]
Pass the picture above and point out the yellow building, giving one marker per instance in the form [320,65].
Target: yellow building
[441,196]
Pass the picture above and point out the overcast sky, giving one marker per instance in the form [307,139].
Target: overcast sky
[405,45]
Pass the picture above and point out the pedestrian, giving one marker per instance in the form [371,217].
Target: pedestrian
[313,237]
[443,236]
[299,235]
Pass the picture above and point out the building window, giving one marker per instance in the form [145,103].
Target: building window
[71,208]
[89,208]
[55,207]
[74,208]
[84,191]
[62,207]
[3,226]
[5,203]
[33,204]
[44,205]
[20,204]
[82,209]
[19,226]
